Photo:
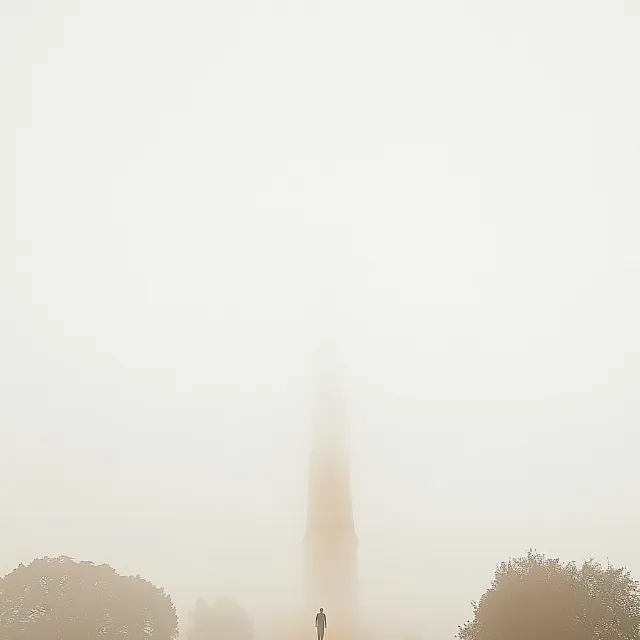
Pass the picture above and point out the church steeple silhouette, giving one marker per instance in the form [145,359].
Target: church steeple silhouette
[331,542]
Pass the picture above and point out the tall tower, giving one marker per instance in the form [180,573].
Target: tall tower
[331,542]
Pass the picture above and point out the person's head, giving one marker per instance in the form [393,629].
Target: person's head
[321,610]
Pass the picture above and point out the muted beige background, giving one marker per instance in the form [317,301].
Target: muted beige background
[196,197]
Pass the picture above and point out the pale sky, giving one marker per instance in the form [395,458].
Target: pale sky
[196,197]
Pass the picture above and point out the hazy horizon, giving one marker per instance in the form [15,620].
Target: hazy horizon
[198,198]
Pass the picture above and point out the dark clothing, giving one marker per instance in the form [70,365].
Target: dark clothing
[321,624]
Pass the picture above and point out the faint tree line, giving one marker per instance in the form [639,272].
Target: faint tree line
[62,599]
[530,598]
[224,620]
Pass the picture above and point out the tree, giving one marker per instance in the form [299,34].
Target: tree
[223,621]
[537,597]
[60,599]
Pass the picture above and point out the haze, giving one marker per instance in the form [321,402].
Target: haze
[198,198]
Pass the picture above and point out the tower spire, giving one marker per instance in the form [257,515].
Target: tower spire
[331,541]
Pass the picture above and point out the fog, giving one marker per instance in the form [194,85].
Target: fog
[197,199]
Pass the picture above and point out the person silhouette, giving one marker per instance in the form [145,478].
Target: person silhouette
[321,623]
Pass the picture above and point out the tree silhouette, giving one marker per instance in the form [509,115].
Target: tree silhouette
[537,597]
[60,599]
[223,621]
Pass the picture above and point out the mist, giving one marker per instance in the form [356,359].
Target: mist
[198,199]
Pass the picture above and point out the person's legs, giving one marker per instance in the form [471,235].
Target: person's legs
[320,633]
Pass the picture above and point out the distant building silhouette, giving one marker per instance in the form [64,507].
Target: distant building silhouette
[331,542]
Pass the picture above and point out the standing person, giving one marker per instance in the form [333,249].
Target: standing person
[321,623]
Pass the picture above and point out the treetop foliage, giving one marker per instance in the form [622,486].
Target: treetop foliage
[61,599]
[538,597]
